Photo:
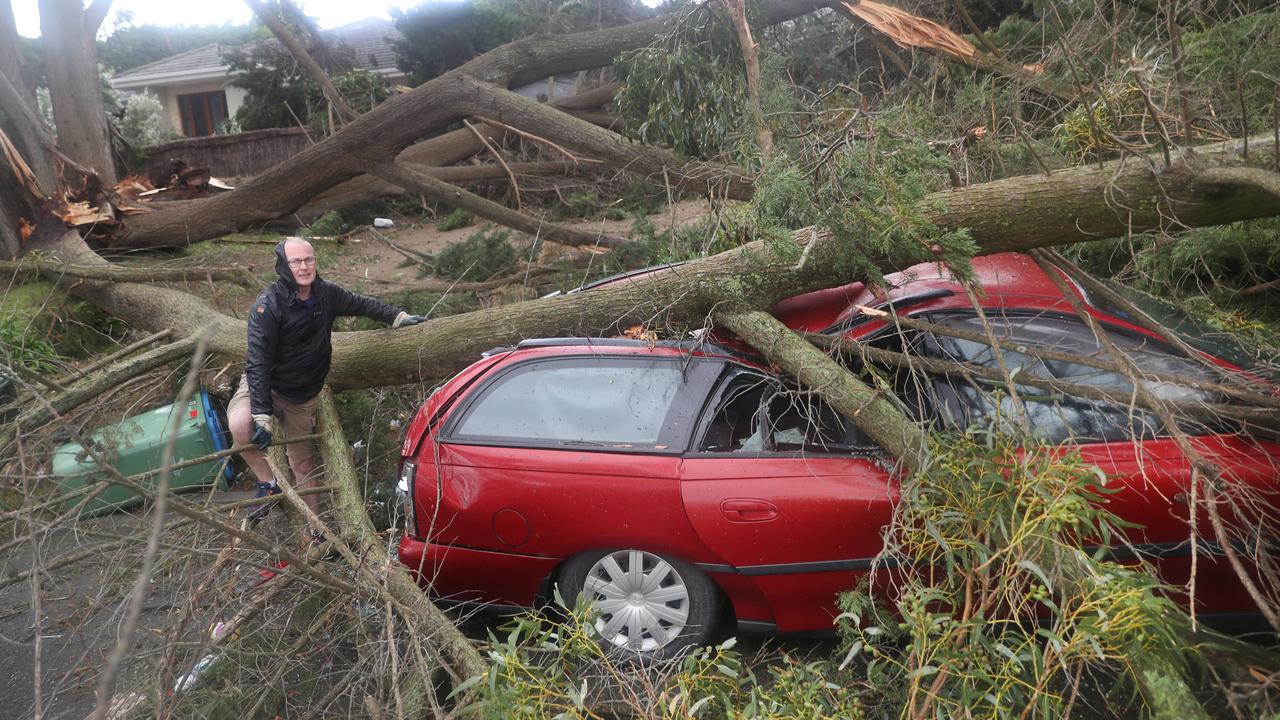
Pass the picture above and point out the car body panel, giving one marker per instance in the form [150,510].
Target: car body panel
[463,574]
[801,528]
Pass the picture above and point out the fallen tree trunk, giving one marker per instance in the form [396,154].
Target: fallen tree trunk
[446,149]
[1007,215]
[358,534]
[32,265]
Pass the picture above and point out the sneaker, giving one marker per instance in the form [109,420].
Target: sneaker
[258,512]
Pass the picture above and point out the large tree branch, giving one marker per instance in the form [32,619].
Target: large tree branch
[34,138]
[867,407]
[454,196]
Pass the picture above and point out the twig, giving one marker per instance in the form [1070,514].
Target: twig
[496,156]
[535,138]
[126,350]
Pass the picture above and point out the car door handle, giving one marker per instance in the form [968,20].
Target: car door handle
[748,510]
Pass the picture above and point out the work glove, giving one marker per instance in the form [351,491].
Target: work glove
[404,319]
[262,432]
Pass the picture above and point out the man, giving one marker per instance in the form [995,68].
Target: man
[288,359]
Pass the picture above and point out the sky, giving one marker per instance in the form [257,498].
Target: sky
[328,13]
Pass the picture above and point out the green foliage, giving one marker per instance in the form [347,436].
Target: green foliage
[1203,271]
[21,347]
[1236,64]
[459,218]
[330,224]
[871,198]
[440,36]
[40,324]
[282,93]
[687,90]
[143,122]
[544,669]
[485,254]
[362,89]
[1011,608]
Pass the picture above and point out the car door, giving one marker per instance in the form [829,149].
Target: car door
[788,494]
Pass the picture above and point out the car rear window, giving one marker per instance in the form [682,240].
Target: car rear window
[612,403]
[1054,416]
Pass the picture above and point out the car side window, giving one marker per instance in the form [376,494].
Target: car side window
[1055,416]
[756,414]
[614,403]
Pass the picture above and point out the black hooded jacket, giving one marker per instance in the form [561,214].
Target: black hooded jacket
[289,347]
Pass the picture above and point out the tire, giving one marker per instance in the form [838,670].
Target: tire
[650,607]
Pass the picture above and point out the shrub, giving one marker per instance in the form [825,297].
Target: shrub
[143,122]
[330,224]
[485,254]
[459,218]
[1000,523]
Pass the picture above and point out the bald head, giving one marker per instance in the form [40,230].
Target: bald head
[302,263]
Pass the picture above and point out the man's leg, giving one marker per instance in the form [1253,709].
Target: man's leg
[298,419]
[240,418]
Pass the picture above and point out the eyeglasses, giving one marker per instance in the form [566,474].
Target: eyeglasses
[299,262]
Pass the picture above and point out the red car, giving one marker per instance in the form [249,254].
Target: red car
[674,482]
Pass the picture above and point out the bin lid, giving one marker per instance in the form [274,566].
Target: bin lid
[215,431]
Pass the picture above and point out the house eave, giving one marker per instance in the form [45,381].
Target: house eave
[171,78]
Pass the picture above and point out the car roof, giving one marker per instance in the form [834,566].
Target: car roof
[692,347]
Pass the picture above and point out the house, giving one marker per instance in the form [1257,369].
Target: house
[196,88]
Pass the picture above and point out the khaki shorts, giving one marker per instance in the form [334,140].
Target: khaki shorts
[291,419]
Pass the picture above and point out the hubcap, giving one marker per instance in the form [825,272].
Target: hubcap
[642,600]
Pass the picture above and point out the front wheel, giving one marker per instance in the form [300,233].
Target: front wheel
[648,606]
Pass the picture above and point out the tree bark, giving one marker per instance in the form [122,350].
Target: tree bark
[32,137]
[75,87]
[19,98]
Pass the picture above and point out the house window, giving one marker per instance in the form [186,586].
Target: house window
[202,113]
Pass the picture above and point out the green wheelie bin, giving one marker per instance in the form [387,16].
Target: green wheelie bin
[136,446]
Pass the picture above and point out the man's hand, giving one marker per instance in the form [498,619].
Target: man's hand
[404,319]
[262,432]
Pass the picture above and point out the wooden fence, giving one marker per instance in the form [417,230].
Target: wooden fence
[231,156]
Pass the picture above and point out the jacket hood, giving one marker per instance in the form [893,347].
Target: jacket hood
[283,271]
[282,268]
